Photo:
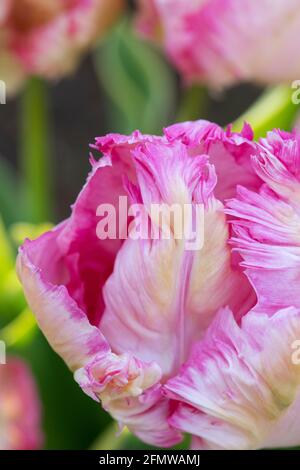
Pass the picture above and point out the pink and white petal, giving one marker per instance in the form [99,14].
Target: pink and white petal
[20,413]
[215,281]
[134,322]
[129,390]
[284,146]
[267,238]
[267,224]
[119,148]
[228,151]
[54,49]
[226,33]
[179,290]
[110,377]
[242,380]
[277,164]
[208,432]
[147,417]
[251,21]
[64,324]
[4,10]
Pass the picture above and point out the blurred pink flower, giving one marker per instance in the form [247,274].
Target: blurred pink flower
[221,42]
[48,37]
[20,420]
[174,340]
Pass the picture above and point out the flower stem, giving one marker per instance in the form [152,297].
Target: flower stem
[35,151]
[274,108]
[193,104]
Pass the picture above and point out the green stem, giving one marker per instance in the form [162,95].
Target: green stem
[193,104]
[274,108]
[35,151]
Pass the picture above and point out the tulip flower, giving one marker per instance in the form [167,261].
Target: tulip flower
[222,42]
[20,421]
[172,339]
[48,37]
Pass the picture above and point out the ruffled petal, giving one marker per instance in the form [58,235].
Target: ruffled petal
[64,324]
[228,151]
[241,383]
[129,390]
[111,377]
[267,224]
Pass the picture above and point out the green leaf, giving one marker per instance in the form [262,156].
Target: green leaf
[6,253]
[140,84]
[273,109]
[20,330]
[11,295]
[22,230]
[12,300]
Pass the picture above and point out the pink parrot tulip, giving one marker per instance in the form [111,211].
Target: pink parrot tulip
[20,420]
[171,339]
[222,42]
[47,37]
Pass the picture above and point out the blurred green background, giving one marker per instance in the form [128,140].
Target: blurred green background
[124,84]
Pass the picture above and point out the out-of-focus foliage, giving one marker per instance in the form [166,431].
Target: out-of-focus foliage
[274,109]
[22,230]
[12,300]
[140,84]
[142,91]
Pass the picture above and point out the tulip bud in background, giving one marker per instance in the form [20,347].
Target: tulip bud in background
[48,37]
[171,339]
[222,42]
[20,414]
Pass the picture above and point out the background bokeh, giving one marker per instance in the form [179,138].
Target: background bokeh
[122,85]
